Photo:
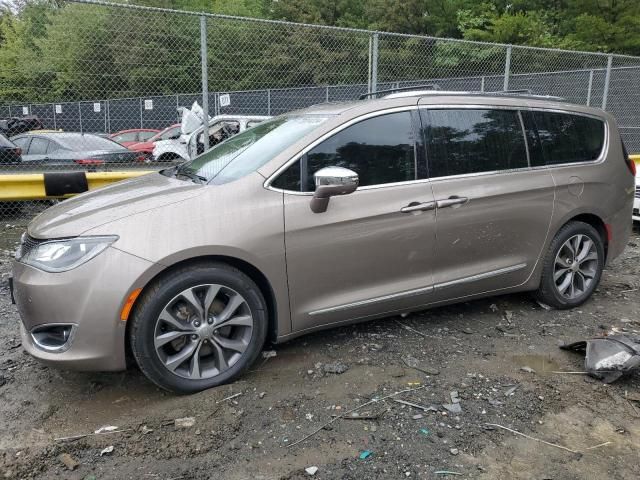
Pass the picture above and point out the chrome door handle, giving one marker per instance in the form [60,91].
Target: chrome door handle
[451,201]
[416,207]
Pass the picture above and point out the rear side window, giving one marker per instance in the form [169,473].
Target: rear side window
[38,146]
[463,141]
[558,138]
[380,150]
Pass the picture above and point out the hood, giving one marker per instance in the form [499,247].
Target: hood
[76,215]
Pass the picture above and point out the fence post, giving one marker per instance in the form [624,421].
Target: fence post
[80,116]
[55,125]
[373,63]
[507,69]
[482,84]
[269,101]
[205,81]
[607,79]
[589,87]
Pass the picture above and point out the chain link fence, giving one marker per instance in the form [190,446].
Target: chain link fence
[99,68]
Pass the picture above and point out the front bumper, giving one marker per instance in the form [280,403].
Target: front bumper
[89,297]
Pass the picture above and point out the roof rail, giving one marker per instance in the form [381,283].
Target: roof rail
[430,86]
[524,93]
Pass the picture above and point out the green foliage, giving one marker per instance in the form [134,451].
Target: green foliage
[59,50]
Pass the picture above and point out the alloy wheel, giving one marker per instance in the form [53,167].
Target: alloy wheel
[575,266]
[203,331]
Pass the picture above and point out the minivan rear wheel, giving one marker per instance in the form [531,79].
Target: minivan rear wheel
[572,267]
[198,327]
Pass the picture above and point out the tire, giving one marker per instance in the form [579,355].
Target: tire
[574,284]
[170,321]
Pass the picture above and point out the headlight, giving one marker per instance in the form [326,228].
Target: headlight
[67,254]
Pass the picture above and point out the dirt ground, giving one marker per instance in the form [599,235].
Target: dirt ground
[247,429]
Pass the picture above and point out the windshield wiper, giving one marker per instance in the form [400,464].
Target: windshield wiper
[191,175]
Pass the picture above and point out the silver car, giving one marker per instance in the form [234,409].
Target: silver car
[334,214]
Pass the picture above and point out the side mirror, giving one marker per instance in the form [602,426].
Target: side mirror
[332,181]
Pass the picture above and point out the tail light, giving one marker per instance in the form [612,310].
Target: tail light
[631,164]
[89,161]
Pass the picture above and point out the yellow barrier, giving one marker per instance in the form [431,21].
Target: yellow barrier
[635,158]
[31,186]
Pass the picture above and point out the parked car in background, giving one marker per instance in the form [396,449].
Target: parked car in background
[190,145]
[136,135]
[15,125]
[62,149]
[10,153]
[146,147]
[330,215]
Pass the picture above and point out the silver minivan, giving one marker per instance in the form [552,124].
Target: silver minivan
[333,214]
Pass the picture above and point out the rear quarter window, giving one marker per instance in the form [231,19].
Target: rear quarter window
[558,138]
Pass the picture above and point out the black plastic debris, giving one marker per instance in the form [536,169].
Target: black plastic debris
[608,358]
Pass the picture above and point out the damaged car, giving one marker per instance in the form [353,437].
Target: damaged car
[334,214]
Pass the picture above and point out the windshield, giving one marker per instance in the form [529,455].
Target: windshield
[246,152]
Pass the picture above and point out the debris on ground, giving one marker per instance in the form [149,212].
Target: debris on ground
[414,363]
[106,450]
[527,369]
[105,429]
[365,454]
[609,358]
[510,391]
[186,422]
[415,405]
[454,451]
[336,368]
[452,407]
[69,462]
[311,470]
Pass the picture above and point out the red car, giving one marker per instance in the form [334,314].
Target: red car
[146,147]
[127,138]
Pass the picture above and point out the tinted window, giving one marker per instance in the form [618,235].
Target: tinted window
[470,141]
[38,146]
[22,142]
[125,137]
[380,150]
[53,146]
[143,136]
[563,137]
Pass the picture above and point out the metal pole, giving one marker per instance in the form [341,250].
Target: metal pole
[80,116]
[374,63]
[268,101]
[369,71]
[607,79]
[482,84]
[205,81]
[589,88]
[326,94]
[507,69]
[55,126]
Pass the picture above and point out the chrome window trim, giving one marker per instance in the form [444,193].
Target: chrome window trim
[475,106]
[405,108]
[418,291]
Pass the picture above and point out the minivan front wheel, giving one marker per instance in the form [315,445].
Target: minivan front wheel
[198,327]
[572,267]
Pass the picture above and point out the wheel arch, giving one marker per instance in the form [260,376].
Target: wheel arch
[244,266]
[596,222]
